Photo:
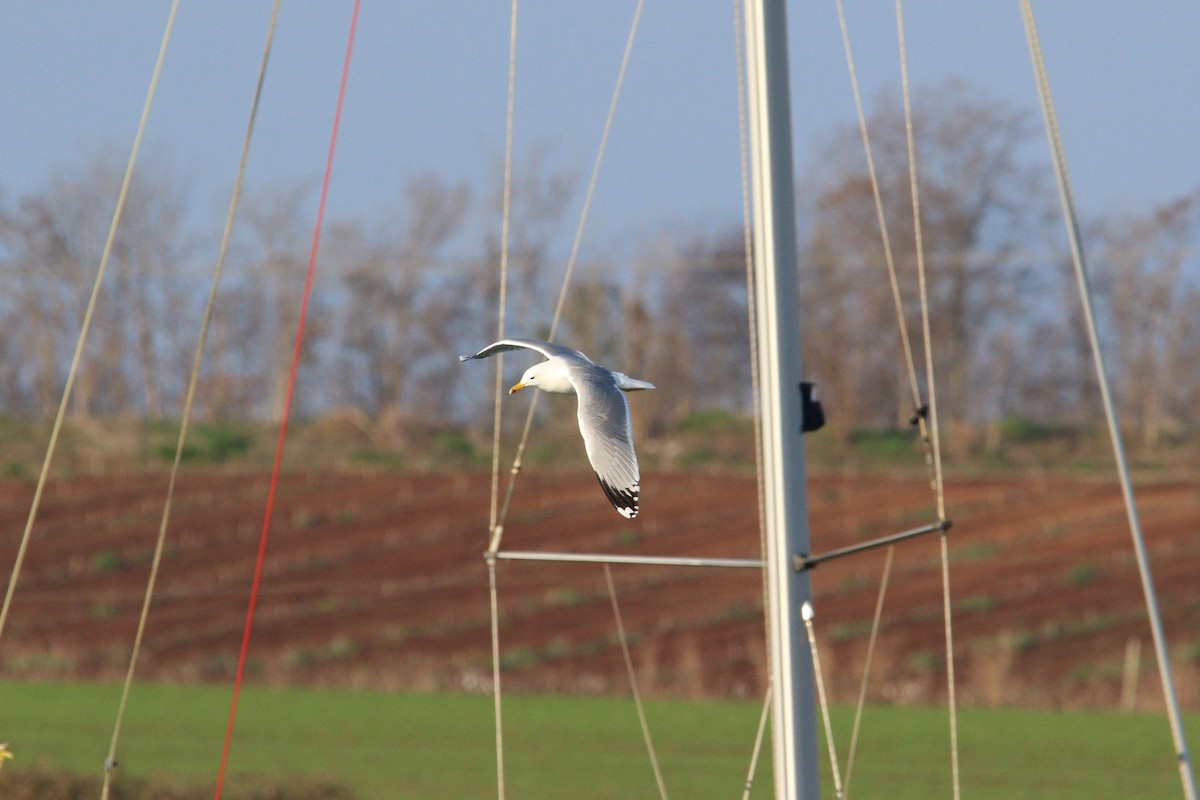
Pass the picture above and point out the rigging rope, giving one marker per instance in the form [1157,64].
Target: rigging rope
[496,705]
[1070,220]
[633,685]
[562,295]
[807,613]
[752,326]
[87,321]
[498,519]
[906,346]
[758,740]
[862,689]
[748,248]
[889,259]
[193,380]
[939,489]
[502,300]
[287,405]
[918,239]
[494,527]
[927,430]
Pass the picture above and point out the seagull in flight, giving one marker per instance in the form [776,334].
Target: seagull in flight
[603,411]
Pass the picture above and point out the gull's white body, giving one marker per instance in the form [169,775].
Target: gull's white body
[603,411]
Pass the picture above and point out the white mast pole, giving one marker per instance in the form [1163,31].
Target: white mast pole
[778,341]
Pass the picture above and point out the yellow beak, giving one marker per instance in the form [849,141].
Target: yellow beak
[516,388]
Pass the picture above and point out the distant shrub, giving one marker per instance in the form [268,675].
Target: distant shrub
[519,658]
[698,457]
[558,648]
[567,597]
[889,444]
[215,443]
[1052,631]
[15,469]
[342,648]
[1082,574]
[167,452]
[455,443]
[1054,529]
[107,561]
[103,611]
[975,551]
[738,611]
[709,421]
[1023,639]
[223,442]
[299,658]
[845,631]
[1022,430]
[377,458]
[976,604]
[924,661]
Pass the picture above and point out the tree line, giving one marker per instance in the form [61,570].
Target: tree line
[399,297]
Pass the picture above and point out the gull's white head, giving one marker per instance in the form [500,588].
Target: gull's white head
[530,378]
[549,376]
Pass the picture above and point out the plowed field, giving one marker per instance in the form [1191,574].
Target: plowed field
[378,580]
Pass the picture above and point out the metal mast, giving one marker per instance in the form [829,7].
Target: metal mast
[778,342]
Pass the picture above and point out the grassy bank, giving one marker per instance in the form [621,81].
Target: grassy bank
[711,439]
[405,745]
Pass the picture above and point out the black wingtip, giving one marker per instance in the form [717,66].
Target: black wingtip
[624,500]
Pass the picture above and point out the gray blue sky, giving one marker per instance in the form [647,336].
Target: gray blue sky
[427,92]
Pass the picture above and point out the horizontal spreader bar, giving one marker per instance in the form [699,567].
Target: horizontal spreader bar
[802,562]
[808,562]
[594,558]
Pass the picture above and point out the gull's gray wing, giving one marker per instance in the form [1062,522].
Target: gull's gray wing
[608,436]
[545,348]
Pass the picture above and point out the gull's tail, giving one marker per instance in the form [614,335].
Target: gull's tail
[628,384]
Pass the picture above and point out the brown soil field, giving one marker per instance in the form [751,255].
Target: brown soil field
[377,579]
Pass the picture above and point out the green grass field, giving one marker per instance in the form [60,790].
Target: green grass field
[390,746]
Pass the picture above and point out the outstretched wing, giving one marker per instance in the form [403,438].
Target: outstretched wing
[545,348]
[608,438]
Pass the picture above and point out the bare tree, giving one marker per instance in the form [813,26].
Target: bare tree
[1151,303]
[53,241]
[982,203]
[593,318]
[712,296]
[849,331]
[541,195]
[232,382]
[280,231]
[396,334]
[540,198]
[658,317]
[393,304]
[151,286]
[37,296]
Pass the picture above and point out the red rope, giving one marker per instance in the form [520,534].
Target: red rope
[287,407]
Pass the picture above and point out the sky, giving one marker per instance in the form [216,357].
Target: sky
[428,84]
